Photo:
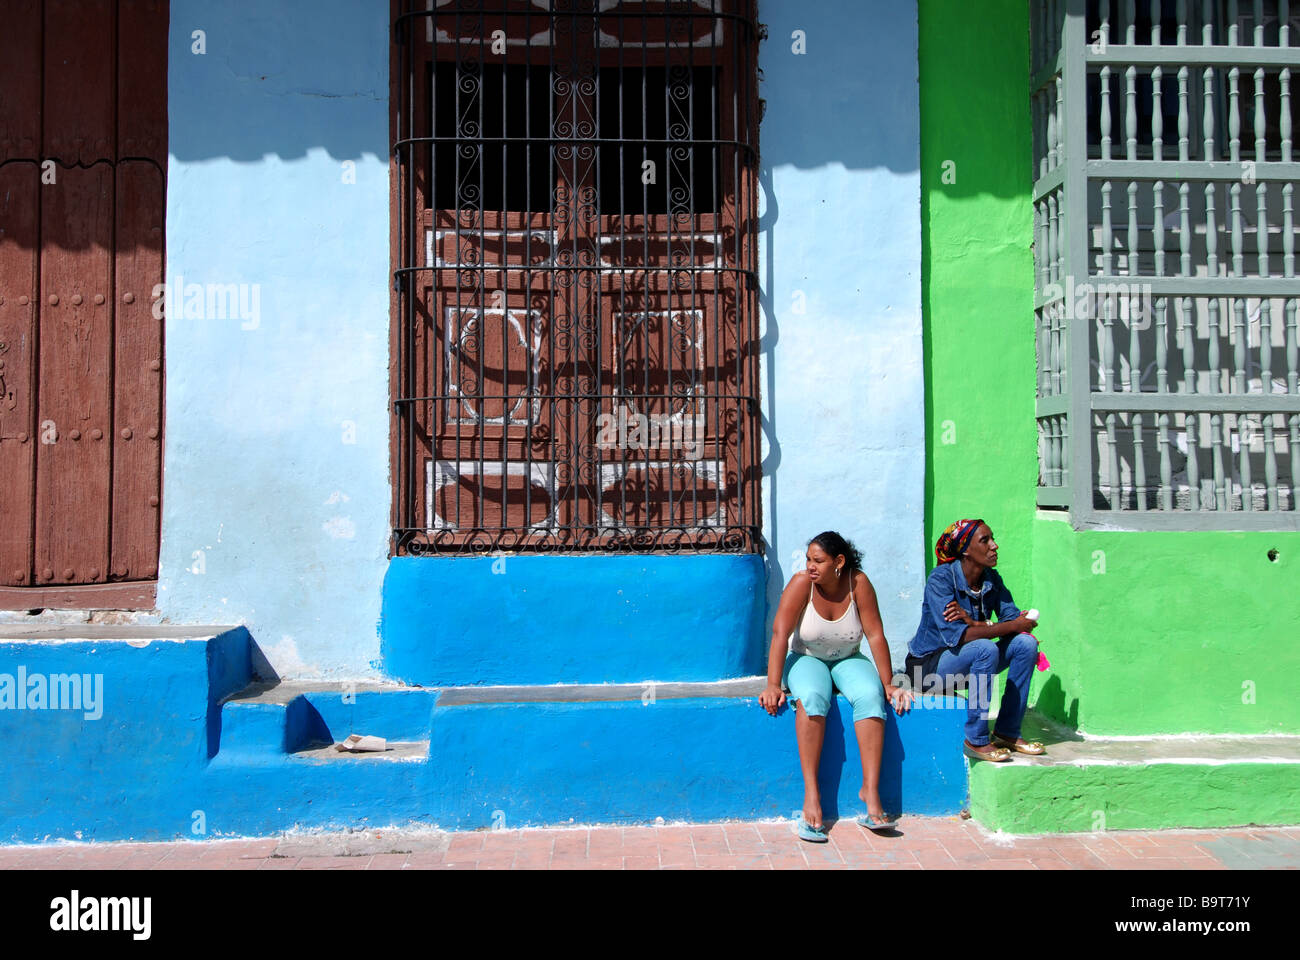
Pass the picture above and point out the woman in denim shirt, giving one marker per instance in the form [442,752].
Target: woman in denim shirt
[957,642]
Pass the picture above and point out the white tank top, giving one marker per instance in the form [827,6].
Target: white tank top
[828,639]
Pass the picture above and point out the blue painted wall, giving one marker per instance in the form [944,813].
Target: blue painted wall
[840,264]
[275,480]
[538,620]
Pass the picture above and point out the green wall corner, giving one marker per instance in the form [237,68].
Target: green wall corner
[1147,632]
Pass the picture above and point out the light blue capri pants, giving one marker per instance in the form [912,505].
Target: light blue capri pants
[809,680]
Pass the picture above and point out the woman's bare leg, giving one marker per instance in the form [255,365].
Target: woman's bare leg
[871,744]
[810,733]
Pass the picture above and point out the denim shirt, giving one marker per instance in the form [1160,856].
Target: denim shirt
[946,583]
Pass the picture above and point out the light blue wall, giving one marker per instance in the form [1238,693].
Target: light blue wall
[842,380]
[291,519]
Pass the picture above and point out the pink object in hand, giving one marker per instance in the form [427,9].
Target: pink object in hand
[1042,657]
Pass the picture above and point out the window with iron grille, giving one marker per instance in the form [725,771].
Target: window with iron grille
[1166,290]
[575,332]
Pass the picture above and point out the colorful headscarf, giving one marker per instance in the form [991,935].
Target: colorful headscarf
[954,541]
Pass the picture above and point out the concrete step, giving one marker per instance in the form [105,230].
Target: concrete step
[397,752]
[266,720]
[614,753]
[1084,783]
[183,742]
[626,753]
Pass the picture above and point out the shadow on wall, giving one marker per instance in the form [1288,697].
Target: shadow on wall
[853,77]
[327,58]
[767,409]
[1051,701]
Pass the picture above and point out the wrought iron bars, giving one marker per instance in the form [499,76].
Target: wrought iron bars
[575,276]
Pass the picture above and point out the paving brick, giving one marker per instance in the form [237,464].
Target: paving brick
[775,831]
[676,854]
[426,861]
[935,859]
[333,863]
[462,843]
[601,841]
[535,842]
[388,861]
[664,834]
[871,860]
[787,861]
[1022,864]
[958,847]
[1050,863]
[570,843]
[502,840]
[640,863]
[818,853]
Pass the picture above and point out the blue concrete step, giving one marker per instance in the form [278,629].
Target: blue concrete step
[181,743]
[682,751]
[264,721]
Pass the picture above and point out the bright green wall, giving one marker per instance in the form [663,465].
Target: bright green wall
[977,271]
[1165,638]
[1180,633]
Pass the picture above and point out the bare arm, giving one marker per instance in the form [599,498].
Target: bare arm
[793,600]
[977,630]
[864,594]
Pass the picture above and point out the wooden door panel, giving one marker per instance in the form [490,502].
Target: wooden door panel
[19,220]
[137,374]
[76,352]
[79,87]
[142,80]
[20,93]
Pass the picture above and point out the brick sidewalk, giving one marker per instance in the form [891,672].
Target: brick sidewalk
[921,843]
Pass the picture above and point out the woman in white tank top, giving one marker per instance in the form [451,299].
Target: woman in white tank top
[816,648]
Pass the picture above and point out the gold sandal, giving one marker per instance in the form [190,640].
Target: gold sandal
[1032,748]
[998,755]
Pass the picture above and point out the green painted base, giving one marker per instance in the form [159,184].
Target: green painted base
[1075,799]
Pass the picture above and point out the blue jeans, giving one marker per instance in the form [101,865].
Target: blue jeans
[980,661]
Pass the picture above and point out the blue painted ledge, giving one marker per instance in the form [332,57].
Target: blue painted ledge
[144,767]
[544,619]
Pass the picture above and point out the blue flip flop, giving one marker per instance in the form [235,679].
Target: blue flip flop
[810,833]
[870,822]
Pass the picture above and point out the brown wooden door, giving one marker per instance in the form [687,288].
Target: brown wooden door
[83,158]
